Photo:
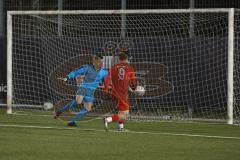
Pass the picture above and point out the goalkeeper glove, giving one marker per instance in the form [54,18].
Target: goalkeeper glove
[65,79]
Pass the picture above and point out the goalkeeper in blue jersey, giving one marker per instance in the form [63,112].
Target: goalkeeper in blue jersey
[93,75]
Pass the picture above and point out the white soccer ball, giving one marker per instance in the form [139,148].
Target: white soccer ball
[140,90]
[47,105]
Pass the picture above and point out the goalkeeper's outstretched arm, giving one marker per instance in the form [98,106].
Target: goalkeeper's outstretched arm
[74,74]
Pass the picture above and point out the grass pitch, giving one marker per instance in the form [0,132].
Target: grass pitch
[43,138]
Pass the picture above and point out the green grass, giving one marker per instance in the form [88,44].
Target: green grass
[89,141]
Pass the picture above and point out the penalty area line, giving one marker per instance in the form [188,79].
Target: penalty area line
[114,131]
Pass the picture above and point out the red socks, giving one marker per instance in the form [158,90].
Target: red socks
[115,118]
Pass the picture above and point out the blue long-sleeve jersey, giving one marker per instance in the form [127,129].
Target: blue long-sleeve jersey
[92,76]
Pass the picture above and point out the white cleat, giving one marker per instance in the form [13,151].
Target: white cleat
[105,124]
[122,130]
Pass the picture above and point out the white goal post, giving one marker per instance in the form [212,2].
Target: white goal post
[191,69]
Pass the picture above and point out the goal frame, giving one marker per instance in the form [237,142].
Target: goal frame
[229,11]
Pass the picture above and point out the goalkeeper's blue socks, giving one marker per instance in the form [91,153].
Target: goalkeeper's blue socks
[71,104]
[80,115]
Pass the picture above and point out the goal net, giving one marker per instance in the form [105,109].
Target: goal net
[184,58]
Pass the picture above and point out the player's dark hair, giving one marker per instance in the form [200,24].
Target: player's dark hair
[123,55]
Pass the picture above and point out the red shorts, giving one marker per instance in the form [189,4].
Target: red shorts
[122,105]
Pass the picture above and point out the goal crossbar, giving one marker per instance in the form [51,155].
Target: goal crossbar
[140,11]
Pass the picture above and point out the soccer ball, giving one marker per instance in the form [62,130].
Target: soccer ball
[140,91]
[47,105]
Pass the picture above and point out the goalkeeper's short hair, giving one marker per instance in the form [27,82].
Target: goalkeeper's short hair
[97,56]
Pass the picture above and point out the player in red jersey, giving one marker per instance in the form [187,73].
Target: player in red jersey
[121,76]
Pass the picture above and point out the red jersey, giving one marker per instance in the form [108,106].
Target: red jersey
[121,76]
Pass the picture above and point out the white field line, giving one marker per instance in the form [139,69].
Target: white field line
[92,119]
[201,121]
[130,132]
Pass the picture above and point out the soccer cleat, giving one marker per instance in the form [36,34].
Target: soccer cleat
[122,130]
[72,124]
[105,123]
[56,114]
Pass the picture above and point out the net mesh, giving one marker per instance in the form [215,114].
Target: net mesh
[180,58]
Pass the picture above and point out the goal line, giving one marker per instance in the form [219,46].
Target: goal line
[114,131]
